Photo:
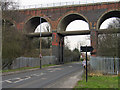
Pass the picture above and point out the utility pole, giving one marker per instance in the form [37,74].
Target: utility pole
[40,45]
[86,64]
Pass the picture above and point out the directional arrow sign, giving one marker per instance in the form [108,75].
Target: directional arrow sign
[86,48]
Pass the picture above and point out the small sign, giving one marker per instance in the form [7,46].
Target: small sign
[40,55]
[87,48]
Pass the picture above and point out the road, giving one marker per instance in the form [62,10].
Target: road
[50,77]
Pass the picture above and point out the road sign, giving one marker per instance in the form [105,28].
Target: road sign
[88,48]
[40,55]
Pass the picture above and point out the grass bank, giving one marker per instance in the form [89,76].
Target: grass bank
[25,68]
[99,82]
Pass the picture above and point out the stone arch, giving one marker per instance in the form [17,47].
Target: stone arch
[31,23]
[66,19]
[106,15]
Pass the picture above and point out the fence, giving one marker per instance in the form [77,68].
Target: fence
[104,65]
[32,62]
[55,4]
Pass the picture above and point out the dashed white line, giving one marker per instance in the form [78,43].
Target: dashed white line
[35,75]
[16,80]
[8,81]
[51,71]
[38,74]
[43,78]
[19,80]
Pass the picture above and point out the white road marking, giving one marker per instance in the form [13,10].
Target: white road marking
[8,81]
[27,77]
[19,80]
[38,74]
[51,71]
[70,66]
[16,80]
[35,75]
[43,78]
[54,69]
[42,73]
[58,68]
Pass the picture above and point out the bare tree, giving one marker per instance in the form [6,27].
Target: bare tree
[108,44]
[115,24]
[67,43]
[6,5]
[47,28]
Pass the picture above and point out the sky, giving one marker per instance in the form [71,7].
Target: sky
[74,41]
[37,2]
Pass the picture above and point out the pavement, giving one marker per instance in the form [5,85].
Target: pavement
[59,76]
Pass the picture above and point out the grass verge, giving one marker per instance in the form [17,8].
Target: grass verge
[25,68]
[99,82]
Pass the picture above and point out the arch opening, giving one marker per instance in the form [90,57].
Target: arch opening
[108,44]
[108,15]
[32,24]
[74,22]
[45,27]
[75,41]
[68,19]
[110,23]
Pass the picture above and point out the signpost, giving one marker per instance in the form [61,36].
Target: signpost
[40,61]
[86,49]
[41,41]
[40,45]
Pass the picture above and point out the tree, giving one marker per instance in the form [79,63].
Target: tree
[76,54]
[67,51]
[14,44]
[46,41]
[6,5]
[115,24]
[11,44]
[49,39]
[67,44]
[108,44]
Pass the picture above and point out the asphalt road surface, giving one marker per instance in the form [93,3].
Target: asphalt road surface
[50,77]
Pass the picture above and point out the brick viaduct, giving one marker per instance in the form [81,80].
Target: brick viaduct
[59,17]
